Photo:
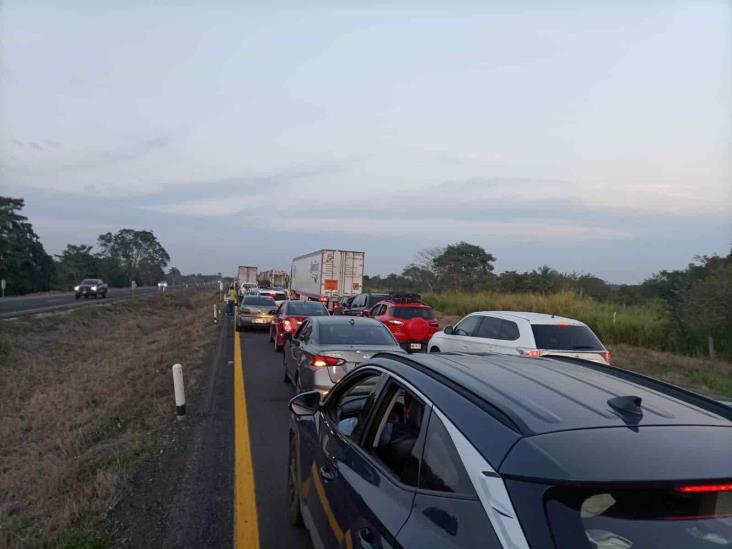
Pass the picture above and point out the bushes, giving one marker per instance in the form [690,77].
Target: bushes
[644,326]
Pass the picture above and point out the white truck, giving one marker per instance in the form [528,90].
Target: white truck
[273,278]
[327,276]
[247,278]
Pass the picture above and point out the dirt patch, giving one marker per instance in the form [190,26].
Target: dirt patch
[84,397]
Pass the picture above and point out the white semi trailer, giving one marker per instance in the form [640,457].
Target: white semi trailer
[247,278]
[327,276]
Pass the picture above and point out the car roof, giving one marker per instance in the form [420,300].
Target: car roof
[340,319]
[532,318]
[536,405]
[543,395]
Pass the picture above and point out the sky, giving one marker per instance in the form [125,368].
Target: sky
[592,136]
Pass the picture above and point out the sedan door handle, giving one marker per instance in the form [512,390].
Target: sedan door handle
[327,474]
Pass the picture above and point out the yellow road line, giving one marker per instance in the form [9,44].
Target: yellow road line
[332,520]
[246,528]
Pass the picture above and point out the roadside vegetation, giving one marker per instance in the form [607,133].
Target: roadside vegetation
[680,311]
[83,395]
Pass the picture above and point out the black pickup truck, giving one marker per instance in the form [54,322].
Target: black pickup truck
[91,286]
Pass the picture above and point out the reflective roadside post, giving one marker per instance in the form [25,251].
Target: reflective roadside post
[2,287]
[134,285]
[180,394]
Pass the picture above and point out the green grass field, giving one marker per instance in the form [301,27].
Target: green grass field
[643,326]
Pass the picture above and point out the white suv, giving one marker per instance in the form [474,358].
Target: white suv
[517,333]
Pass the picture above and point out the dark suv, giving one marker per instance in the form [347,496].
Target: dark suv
[363,302]
[453,450]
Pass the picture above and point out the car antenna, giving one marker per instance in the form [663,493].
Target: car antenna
[628,408]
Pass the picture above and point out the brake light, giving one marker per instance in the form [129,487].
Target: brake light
[285,325]
[606,355]
[564,324]
[321,361]
[693,489]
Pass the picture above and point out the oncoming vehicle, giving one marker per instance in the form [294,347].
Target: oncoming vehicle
[412,322]
[518,333]
[91,287]
[463,451]
[325,348]
[289,317]
[255,310]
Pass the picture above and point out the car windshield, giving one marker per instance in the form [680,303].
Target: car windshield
[638,518]
[306,308]
[258,301]
[565,337]
[412,312]
[90,281]
[357,333]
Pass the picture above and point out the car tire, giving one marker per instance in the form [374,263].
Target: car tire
[86,296]
[434,349]
[271,339]
[77,296]
[277,348]
[294,513]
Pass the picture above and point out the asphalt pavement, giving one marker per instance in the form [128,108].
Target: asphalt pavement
[268,417]
[41,303]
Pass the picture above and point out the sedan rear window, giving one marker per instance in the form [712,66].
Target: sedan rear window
[565,337]
[620,519]
[413,312]
[306,308]
[258,301]
[355,334]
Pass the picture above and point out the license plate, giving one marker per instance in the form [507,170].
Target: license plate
[260,320]
[415,345]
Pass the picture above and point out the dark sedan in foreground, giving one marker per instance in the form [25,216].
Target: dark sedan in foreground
[91,287]
[325,348]
[495,451]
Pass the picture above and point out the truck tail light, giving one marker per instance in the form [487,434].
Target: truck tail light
[321,361]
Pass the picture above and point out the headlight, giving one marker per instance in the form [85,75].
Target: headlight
[76,288]
[94,288]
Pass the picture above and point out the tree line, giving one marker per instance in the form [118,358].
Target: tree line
[119,258]
[697,300]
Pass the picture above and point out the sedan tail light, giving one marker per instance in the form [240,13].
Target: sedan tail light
[285,325]
[607,356]
[321,361]
[706,488]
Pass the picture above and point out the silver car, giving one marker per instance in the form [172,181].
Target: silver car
[325,348]
[255,310]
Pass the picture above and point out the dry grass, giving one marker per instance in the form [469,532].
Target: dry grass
[698,374]
[81,395]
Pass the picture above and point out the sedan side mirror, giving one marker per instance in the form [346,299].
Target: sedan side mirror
[305,404]
[448,330]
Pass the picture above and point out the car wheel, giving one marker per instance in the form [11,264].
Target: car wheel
[77,296]
[285,377]
[293,486]
[86,296]
[434,350]
[271,339]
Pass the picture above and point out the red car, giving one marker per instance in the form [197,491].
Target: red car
[289,317]
[410,321]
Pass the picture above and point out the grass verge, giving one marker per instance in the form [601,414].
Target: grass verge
[82,394]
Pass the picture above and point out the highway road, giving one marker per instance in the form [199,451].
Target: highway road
[41,303]
[229,488]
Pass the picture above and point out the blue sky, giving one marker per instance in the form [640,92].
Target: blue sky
[591,136]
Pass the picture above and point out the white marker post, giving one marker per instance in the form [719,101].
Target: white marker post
[134,285]
[2,287]
[215,313]
[180,394]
